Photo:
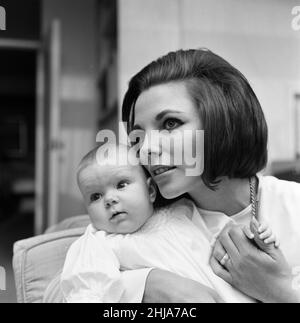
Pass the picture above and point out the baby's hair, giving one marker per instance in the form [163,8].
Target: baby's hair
[87,160]
[91,158]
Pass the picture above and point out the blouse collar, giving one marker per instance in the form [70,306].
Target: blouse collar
[215,221]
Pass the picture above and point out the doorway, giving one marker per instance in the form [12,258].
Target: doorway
[17,136]
[17,152]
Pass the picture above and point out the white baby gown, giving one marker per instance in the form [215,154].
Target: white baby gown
[175,239]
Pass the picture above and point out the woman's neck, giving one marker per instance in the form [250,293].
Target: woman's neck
[231,197]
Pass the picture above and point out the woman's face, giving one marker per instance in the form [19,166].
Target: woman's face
[168,107]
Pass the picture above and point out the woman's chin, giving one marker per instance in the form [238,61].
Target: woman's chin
[170,193]
[177,186]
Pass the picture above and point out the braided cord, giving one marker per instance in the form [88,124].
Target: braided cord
[252,182]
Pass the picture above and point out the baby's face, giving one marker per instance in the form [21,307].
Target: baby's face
[119,199]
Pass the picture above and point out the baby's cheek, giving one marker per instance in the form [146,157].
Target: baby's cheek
[94,221]
[95,216]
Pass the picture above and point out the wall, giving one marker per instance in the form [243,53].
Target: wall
[255,36]
[79,102]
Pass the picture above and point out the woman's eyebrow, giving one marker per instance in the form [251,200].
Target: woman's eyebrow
[158,117]
[163,113]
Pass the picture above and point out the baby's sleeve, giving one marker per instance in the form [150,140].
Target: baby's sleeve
[91,272]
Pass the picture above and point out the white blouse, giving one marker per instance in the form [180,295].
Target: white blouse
[279,207]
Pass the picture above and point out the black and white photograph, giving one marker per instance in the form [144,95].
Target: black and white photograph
[149,154]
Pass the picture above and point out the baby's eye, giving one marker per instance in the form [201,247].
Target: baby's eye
[171,123]
[122,184]
[95,197]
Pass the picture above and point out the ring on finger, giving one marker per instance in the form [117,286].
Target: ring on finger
[224,259]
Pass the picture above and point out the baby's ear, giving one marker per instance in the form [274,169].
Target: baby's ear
[152,189]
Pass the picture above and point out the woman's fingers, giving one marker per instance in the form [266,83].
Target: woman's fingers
[218,252]
[241,241]
[230,239]
[220,271]
[221,255]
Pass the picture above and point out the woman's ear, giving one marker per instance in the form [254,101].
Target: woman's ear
[152,189]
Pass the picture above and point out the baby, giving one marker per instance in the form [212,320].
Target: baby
[128,232]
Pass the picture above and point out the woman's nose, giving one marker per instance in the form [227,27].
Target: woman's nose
[110,200]
[150,147]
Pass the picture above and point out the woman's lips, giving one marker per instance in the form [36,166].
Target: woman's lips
[159,170]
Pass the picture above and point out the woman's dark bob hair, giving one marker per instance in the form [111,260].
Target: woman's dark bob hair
[236,132]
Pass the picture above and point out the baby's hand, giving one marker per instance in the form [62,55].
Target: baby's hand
[263,232]
[266,234]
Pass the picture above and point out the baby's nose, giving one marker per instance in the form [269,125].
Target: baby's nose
[111,200]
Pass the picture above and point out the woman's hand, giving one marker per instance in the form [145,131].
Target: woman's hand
[259,270]
[165,287]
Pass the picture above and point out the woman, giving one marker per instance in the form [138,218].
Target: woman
[198,90]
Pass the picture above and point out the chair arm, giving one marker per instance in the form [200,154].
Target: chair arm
[37,261]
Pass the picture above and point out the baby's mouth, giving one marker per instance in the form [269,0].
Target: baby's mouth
[116,214]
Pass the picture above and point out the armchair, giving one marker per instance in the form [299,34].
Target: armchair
[38,261]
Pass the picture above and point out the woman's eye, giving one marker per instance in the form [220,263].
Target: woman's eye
[122,184]
[95,197]
[171,124]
